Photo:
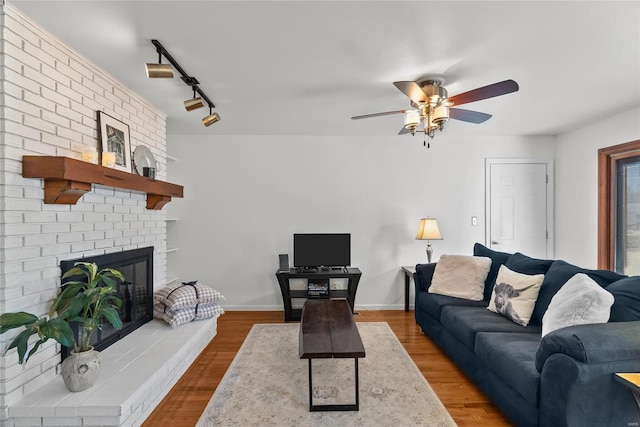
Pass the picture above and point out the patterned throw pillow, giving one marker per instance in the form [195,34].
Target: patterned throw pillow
[176,317]
[514,295]
[580,301]
[460,276]
[186,295]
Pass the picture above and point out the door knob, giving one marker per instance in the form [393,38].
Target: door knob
[493,242]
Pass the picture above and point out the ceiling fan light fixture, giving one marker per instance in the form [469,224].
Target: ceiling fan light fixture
[431,102]
[440,114]
[429,123]
[411,119]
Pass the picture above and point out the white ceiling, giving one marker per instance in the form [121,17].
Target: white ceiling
[306,67]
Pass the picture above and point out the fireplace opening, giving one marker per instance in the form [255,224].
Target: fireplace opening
[136,293]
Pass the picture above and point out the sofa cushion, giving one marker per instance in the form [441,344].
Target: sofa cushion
[511,357]
[527,265]
[515,295]
[557,275]
[465,322]
[626,294]
[460,276]
[602,343]
[423,275]
[434,303]
[580,301]
[497,259]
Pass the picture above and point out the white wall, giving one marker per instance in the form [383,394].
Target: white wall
[245,196]
[577,184]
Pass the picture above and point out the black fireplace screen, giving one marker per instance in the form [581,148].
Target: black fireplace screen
[136,293]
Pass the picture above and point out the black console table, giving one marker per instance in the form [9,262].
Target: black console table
[351,273]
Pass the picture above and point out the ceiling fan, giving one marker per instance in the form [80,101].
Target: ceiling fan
[431,105]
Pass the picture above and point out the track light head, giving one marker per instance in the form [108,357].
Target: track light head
[194,103]
[211,118]
[159,70]
[155,71]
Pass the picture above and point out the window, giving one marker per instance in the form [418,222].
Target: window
[619,208]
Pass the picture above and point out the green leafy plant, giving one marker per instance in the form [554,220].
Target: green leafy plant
[85,302]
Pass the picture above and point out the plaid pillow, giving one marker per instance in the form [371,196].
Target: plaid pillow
[186,295]
[176,317]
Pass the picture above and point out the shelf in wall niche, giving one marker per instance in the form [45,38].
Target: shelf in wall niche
[171,158]
[66,180]
[171,280]
[171,219]
[170,250]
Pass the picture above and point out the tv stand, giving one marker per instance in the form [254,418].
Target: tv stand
[351,273]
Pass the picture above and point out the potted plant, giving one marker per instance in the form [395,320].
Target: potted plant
[85,302]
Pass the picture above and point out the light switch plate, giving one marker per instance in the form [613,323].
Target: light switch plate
[474,220]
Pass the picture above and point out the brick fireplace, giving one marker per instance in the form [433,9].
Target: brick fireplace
[51,95]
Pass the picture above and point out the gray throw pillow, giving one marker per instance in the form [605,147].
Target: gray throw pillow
[580,301]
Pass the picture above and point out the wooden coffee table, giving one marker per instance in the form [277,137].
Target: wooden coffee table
[327,330]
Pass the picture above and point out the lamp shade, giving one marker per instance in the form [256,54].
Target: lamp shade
[429,230]
[411,118]
[440,114]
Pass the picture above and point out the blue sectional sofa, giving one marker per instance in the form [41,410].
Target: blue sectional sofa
[564,379]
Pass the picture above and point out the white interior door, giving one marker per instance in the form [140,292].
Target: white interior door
[520,206]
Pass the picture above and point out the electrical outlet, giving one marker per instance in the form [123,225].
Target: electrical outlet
[474,220]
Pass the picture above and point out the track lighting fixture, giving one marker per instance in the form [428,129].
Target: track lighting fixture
[211,118]
[195,102]
[159,70]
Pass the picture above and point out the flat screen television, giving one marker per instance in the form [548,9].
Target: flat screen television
[321,250]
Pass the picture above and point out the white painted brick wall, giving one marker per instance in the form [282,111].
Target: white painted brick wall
[48,106]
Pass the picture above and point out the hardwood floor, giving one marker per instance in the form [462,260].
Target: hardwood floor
[184,404]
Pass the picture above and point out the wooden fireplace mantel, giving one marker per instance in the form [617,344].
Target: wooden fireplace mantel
[67,179]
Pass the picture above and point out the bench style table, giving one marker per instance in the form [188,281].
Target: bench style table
[327,330]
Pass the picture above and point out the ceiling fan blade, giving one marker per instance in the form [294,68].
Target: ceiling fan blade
[485,92]
[468,115]
[404,131]
[412,90]
[386,113]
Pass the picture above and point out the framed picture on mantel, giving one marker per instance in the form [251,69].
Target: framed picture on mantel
[114,138]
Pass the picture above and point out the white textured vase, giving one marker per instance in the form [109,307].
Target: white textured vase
[80,370]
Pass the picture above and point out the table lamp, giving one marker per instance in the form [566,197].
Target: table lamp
[429,231]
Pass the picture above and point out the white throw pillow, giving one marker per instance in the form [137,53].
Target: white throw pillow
[514,295]
[579,301]
[460,276]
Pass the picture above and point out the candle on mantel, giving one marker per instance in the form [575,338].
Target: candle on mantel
[90,154]
[108,159]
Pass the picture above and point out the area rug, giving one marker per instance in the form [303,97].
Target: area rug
[267,384]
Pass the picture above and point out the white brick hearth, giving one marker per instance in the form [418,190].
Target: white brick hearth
[136,374]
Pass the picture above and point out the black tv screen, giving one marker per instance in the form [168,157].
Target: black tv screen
[321,250]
